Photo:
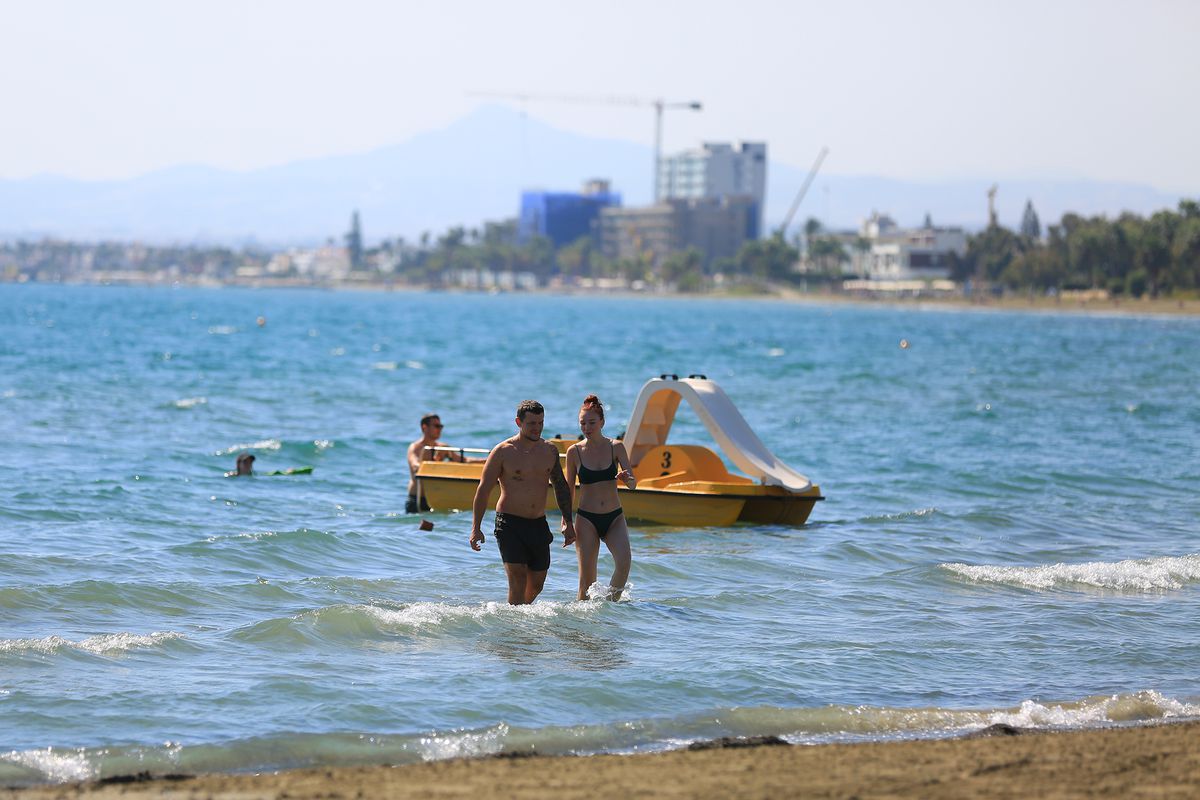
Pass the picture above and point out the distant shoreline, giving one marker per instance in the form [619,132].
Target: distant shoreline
[1157,760]
[1131,307]
[1161,306]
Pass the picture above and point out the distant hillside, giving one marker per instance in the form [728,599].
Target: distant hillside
[470,172]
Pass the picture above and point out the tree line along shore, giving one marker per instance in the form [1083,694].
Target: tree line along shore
[1129,257]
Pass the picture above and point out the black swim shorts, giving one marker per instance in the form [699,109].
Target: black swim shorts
[524,541]
[411,507]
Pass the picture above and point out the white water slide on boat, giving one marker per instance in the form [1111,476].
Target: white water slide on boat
[654,412]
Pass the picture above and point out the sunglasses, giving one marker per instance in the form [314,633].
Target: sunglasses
[437,425]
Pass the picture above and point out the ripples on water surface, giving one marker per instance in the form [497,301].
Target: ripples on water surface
[1010,533]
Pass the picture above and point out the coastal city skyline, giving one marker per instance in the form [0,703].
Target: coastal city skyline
[690,195]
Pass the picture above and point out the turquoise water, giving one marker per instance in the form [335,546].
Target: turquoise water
[1011,531]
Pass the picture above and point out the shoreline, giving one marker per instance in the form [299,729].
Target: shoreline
[1166,307]
[1157,759]
[1028,303]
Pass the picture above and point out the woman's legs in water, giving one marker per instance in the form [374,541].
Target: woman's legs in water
[587,550]
[617,541]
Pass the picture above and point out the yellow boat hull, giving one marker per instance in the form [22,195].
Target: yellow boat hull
[672,499]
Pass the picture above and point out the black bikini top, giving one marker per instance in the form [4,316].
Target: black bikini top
[609,473]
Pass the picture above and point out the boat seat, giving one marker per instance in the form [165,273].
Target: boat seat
[693,461]
[662,480]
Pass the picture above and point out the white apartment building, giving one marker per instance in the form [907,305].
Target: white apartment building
[897,254]
[717,170]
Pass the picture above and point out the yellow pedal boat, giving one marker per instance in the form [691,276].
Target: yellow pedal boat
[684,485]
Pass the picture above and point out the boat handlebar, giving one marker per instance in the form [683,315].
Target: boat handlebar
[459,450]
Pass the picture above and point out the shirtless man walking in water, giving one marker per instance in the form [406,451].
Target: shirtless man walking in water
[524,465]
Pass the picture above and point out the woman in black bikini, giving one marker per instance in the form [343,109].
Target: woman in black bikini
[600,517]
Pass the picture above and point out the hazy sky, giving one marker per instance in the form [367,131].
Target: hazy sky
[918,90]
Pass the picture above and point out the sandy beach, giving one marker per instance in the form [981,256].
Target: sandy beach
[1145,761]
[1082,303]
[1070,303]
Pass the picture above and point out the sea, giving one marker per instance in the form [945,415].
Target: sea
[1010,532]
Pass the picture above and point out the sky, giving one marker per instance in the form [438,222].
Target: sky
[920,90]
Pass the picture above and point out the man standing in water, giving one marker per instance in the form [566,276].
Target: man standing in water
[424,449]
[524,465]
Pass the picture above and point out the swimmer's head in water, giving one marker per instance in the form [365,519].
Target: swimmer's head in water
[245,462]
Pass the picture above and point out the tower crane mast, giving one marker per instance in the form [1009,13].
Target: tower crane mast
[658,104]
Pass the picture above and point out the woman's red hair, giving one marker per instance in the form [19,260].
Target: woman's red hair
[592,403]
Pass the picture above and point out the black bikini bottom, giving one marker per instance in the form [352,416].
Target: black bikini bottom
[601,520]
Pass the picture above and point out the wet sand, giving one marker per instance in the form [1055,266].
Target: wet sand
[1145,761]
[1173,306]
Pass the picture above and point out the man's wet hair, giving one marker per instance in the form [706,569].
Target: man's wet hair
[529,407]
[428,418]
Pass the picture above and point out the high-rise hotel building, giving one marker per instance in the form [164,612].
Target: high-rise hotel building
[718,170]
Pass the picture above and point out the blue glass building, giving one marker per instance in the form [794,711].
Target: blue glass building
[563,217]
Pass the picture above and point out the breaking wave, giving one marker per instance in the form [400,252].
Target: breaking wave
[264,444]
[795,725]
[104,644]
[1135,575]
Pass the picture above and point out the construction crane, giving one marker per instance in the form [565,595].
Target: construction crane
[812,173]
[659,105]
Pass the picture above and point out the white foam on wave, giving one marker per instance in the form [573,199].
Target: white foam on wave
[602,591]
[253,536]
[264,444]
[104,644]
[56,767]
[425,615]
[811,725]
[222,330]
[462,744]
[872,722]
[385,365]
[1137,575]
[121,642]
[1143,706]
[190,402]
[914,514]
